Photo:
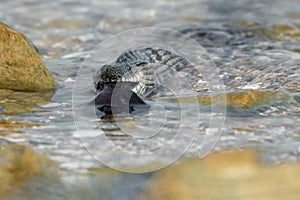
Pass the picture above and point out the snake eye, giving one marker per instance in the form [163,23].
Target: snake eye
[141,63]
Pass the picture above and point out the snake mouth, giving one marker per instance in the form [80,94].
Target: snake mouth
[124,100]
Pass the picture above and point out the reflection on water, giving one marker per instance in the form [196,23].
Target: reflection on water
[18,102]
[12,126]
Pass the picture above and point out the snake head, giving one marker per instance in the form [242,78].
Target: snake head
[118,72]
[107,74]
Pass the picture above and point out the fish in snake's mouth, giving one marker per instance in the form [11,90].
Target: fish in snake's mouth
[124,100]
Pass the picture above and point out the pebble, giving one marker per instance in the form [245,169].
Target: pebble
[69,79]
[51,105]
[1,110]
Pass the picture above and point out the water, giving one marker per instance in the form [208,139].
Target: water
[254,44]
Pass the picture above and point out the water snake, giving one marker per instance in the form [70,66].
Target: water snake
[135,72]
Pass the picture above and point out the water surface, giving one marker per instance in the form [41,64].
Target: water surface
[254,44]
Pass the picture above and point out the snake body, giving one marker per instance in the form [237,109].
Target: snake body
[136,67]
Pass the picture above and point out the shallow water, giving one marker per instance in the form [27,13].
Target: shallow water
[254,44]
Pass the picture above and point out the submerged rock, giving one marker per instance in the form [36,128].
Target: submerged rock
[245,99]
[22,170]
[20,65]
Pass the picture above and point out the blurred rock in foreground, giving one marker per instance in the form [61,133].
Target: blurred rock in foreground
[224,176]
[21,165]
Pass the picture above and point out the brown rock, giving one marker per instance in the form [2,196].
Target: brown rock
[20,65]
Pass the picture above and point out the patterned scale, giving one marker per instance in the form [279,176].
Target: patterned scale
[146,62]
